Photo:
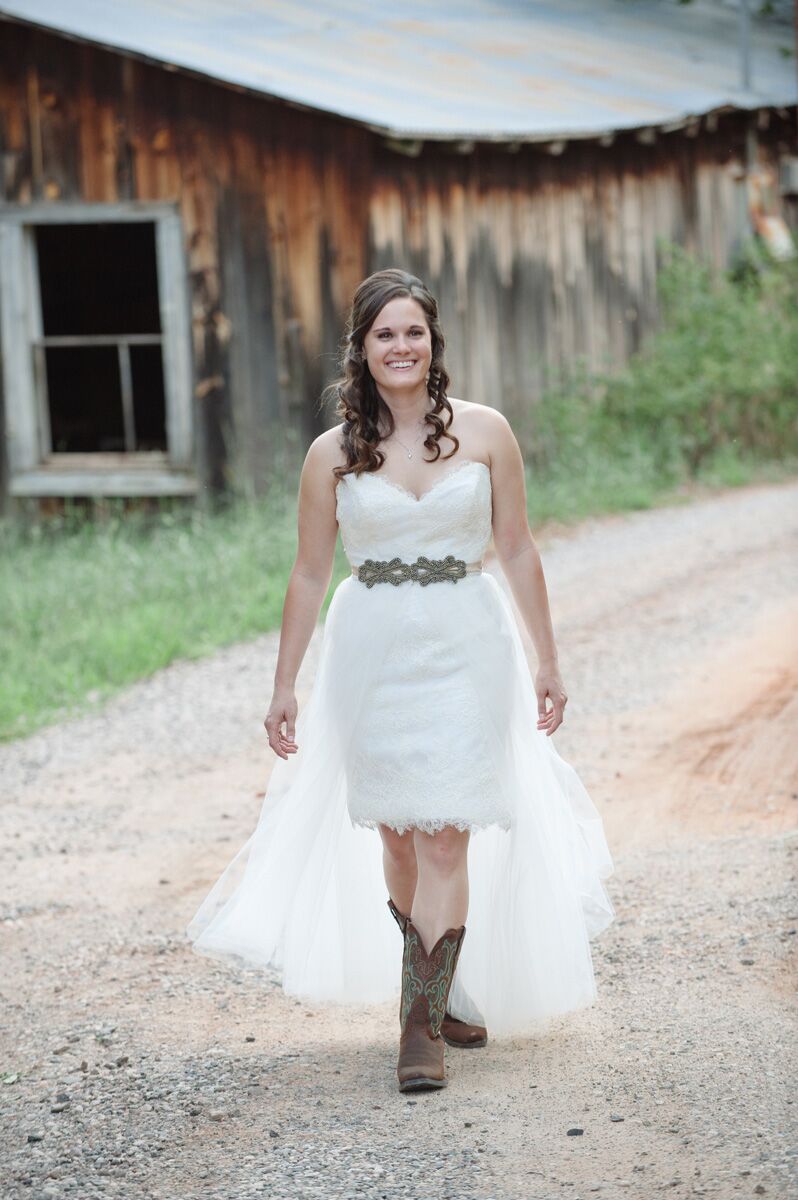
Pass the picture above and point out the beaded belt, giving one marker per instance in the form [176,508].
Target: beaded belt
[423,570]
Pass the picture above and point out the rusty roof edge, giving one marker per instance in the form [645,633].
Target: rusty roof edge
[670,124]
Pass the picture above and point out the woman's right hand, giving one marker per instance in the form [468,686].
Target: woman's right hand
[282,711]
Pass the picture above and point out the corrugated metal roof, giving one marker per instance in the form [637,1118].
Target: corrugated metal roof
[465,69]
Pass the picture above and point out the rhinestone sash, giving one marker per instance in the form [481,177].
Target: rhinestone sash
[423,570]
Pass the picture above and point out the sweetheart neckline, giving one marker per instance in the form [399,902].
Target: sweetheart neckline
[403,491]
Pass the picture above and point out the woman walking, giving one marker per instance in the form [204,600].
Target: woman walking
[424,724]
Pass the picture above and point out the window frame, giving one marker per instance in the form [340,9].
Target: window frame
[32,466]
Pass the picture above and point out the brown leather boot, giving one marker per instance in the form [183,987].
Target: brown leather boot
[426,979]
[453,1031]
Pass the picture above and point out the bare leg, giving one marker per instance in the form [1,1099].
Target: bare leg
[441,899]
[399,865]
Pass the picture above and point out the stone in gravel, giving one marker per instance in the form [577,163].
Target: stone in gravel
[747,962]
[122,1061]
[216,1114]
[615,1117]
[57,1108]
[37,1135]
[273,1133]
[575,1132]
[249,1038]
[759,1190]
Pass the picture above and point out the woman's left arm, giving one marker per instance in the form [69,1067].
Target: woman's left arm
[520,560]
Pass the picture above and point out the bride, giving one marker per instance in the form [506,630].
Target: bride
[423,724]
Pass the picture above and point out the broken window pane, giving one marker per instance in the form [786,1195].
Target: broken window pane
[85,399]
[99,290]
[98,278]
[149,406]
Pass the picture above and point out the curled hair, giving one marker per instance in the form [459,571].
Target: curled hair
[358,403]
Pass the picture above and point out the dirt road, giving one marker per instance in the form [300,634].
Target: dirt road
[133,1068]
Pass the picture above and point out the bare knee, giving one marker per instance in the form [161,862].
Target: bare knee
[399,847]
[444,852]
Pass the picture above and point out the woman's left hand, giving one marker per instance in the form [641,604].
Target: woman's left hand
[548,683]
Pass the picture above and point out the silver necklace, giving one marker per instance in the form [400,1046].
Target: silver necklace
[407,448]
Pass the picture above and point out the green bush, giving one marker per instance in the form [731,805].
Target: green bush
[719,375]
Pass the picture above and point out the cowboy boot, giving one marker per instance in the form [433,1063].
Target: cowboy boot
[426,979]
[453,1031]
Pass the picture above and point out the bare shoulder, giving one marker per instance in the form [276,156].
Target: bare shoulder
[485,425]
[479,416]
[324,453]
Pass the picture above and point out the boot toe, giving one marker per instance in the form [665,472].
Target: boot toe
[422,1083]
[458,1033]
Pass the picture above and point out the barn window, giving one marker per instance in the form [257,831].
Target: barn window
[96,365]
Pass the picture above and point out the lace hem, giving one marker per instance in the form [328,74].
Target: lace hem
[432,826]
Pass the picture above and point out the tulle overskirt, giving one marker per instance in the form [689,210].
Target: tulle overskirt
[306,893]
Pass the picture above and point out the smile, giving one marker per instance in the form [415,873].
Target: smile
[401,366]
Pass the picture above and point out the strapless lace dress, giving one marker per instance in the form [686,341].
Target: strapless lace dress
[422,714]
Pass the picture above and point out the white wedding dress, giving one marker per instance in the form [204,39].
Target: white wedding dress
[422,713]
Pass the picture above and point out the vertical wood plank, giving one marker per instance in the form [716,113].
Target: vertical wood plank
[17,360]
[175,326]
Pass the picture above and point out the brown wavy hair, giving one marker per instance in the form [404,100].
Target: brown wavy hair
[358,403]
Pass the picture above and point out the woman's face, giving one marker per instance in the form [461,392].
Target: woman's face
[398,346]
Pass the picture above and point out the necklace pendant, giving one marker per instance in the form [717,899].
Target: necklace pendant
[410,454]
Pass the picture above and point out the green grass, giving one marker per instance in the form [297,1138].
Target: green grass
[605,484]
[88,606]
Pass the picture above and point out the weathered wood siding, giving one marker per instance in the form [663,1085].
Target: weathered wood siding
[538,259]
[274,205]
[544,260]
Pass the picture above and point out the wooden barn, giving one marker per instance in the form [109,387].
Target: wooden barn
[191,193]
